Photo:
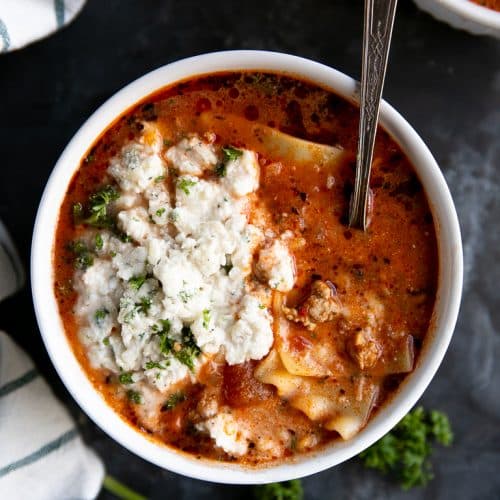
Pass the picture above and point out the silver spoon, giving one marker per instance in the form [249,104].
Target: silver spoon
[378,23]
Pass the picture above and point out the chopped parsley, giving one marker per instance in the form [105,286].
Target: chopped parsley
[98,207]
[166,342]
[160,212]
[189,349]
[159,178]
[143,305]
[77,210]
[288,490]
[105,341]
[230,153]
[206,318]
[99,243]
[134,397]
[404,452]
[220,170]
[83,256]
[126,378]
[136,282]
[173,400]
[184,296]
[153,364]
[100,314]
[184,185]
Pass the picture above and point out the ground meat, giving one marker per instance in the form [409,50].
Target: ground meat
[322,305]
[363,349]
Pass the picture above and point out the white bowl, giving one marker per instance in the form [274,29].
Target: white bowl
[465,15]
[70,371]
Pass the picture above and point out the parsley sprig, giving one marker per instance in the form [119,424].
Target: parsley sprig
[288,490]
[404,452]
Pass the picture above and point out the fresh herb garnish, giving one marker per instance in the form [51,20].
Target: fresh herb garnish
[105,341]
[231,154]
[220,170]
[134,396]
[126,378]
[98,207]
[159,178]
[189,349]
[206,318]
[99,243]
[143,305]
[173,400]
[167,143]
[288,490]
[404,452]
[100,314]
[184,185]
[77,210]
[160,212]
[166,343]
[184,296]
[83,256]
[136,282]
[153,364]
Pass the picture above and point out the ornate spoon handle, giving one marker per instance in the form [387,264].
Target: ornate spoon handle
[378,23]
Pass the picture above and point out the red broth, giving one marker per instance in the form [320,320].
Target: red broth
[394,263]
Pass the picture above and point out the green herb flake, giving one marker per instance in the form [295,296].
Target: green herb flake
[153,364]
[136,282]
[184,185]
[77,211]
[206,318]
[184,296]
[173,400]
[167,143]
[134,396]
[126,378]
[159,179]
[231,154]
[220,170]
[143,305]
[166,342]
[105,341]
[100,314]
[189,349]
[99,243]
[98,207]
[404,452]
[160,212]
[83,256]
[288,490]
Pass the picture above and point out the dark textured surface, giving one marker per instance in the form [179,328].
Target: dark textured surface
[445,82]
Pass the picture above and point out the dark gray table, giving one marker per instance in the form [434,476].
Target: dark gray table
[445,82]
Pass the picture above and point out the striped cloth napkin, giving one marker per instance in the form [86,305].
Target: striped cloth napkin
[42,457]
[25,21]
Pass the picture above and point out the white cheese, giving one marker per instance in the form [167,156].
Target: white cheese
[136,167]
[276,265]
[192,156]
[242,174]
[227,433]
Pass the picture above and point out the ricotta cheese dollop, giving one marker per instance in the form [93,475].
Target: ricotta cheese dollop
[173,285]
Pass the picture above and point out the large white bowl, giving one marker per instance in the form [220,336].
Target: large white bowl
[70,371]
[465,15]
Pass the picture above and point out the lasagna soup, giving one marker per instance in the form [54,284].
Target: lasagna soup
[209,284]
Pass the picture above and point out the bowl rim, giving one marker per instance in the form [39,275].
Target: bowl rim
[469,10]
[61,353]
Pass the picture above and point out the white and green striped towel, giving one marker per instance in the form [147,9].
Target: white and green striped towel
[42,456]
[25,21]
